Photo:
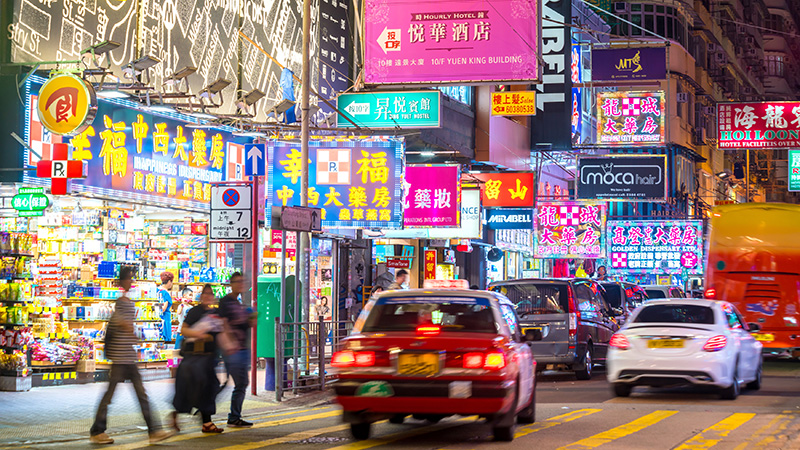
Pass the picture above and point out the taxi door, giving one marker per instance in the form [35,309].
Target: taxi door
[527,371]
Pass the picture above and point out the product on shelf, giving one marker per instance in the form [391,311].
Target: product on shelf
[55,352]
[12,362]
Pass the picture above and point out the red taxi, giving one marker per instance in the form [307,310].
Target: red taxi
[432,353]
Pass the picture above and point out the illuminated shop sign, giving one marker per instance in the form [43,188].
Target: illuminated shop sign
[759,125]
[630,118]
[570,230]
[656,246]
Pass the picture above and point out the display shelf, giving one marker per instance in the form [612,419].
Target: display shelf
[16,301]
[50,365]
[106,320]
[8,324]
[14,254]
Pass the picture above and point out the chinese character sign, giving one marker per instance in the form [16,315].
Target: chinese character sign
[356,182]
[665,247]
[432,196]
[759,125]
[380,109]
[451,41]
[506,189]
[630,118]
[430,264]
[794,170]
[570,230]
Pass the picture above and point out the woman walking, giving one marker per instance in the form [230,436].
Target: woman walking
[165,301]
[196,383]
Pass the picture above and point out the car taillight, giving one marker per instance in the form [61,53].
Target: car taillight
[573,324]
[429,330]
[365,359]
[493,360]
[711,293]
[715,343]
[473,360]
[574,315]
[349,358]
[619,341]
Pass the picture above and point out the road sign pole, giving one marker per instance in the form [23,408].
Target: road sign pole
[254,292]
[303,238]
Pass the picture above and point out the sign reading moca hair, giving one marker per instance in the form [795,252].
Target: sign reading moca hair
[622,178]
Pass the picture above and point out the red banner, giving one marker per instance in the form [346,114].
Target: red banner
[398,263]
[430,264]
[759,125]
[506,189]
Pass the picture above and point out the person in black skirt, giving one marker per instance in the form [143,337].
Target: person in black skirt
[196,382]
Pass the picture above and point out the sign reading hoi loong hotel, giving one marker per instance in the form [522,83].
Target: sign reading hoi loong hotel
[759,125]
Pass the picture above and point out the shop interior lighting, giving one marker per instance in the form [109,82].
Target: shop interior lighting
[112,94]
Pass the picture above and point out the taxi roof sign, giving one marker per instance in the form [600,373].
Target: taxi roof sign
[445,284]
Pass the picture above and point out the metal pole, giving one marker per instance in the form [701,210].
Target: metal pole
[282,312]
[303,238]
[321,337]
[254,291]
[747,176]
[279,361]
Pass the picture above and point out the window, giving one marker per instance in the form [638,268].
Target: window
[613,294]
[531,298]
[658,19]
[470,315]
[510,319]
[733,319]
[675,293]
[775,65]
[585,298]
[675,314]
[655,293]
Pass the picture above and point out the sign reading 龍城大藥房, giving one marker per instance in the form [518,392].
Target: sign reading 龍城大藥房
[630,118]
[67,104]
[432,196]
[656,246]
[758,125]
[630,63]
[506,189]
[514,103]
[622,178]
[570,230]
[150,157]
[405,109]
[357,183]
[451,41]
[794,170]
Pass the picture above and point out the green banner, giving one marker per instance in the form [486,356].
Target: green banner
[30,202]
[391,110]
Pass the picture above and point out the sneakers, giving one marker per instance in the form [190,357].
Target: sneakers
[101,438]
[239,423]
[160,435]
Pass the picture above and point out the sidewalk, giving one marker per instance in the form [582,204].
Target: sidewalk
[65,413]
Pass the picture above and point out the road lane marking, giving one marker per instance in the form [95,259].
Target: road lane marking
[554,421]
[712,435]
[298,436]
[388,439]
[272,423]
[777,424]
[621,431]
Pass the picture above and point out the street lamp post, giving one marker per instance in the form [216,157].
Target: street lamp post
[303,246]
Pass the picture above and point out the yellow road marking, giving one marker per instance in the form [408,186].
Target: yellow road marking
[272,423]
[299,436]
[554,421]
[369,443]
[712,435]
[779,422]
[621,431]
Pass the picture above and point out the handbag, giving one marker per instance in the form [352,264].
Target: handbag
[226,341]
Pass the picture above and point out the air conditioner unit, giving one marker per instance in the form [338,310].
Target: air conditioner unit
[721,58]
[682,97]
[709,110]
[620,6]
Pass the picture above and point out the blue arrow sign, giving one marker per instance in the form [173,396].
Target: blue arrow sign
[255,156]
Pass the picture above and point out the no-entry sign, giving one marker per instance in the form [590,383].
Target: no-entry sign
[231,213]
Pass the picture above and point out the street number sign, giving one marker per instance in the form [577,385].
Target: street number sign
[231,213]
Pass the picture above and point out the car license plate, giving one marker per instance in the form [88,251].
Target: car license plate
[418,364]
[525,330]
[460,389]
[764,337]
[665,343]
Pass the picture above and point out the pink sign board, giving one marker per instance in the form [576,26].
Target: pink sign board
[451,41]
[432,196]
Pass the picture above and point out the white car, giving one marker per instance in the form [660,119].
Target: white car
[657,291]
[683,341]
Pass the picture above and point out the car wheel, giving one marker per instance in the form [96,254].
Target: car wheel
[732,391]
[397,419]
[434,419]
[360,431]
[528,415]
[586,372]
[503,434]
[622,389]
[756,383]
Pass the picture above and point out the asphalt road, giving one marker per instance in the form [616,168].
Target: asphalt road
[571,414]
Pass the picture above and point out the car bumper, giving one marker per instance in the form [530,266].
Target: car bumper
[427,397]
[631,368]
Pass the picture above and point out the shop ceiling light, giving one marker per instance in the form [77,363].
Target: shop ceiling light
[101,48]
[250,98]
[180,75]
[112,94]
[724,174]
[134,68]
[214,88]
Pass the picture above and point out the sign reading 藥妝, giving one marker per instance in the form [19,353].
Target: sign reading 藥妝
[622,177]
[409,109]
[570,230]
[433,196]
[630,118]
[669,247]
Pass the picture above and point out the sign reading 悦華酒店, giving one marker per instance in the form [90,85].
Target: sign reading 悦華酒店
[357,183]
[451,41]
[656,246]
[758,125]
[570,230]
[630,118]
[622,177]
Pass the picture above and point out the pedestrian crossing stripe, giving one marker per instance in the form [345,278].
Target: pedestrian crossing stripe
[712,435]
[621,431]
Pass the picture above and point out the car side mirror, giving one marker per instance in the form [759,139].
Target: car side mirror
[532,335]
[753,327]
[617,311]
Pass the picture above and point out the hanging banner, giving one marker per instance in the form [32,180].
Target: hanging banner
[450,41]
[622,178]
[506,189]
[571,230]
[356,182]
[514,103]
[633,63]
[794,170]
[768,125]
[430,264]
[630,118]
[554,106]
[656,246]
[432,196]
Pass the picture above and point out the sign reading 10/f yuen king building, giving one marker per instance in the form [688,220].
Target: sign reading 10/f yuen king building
[451,41]
[668,247]
[759,125]
[630,118]
[570,230]
[357,183]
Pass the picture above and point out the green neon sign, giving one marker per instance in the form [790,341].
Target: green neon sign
[30,202]
[391,110]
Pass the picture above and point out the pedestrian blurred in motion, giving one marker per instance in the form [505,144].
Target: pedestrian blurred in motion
[400,280]
[196,383]
[119,342]
[165,302]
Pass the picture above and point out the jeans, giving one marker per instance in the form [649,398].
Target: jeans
[238,366]
[120,373]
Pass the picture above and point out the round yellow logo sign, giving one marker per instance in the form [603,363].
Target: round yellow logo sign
[67,104]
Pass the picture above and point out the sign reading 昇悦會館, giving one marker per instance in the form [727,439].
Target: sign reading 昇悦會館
[357,183]
[570,230]
[630,118]
[767,125]
[656,246]
[391,110]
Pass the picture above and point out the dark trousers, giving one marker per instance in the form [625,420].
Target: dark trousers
[120,373]
[238,366]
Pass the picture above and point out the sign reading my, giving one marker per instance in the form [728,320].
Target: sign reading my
[408,109]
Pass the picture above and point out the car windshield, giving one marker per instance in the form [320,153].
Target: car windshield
[613,294]
[655,293]
[675,314]
[463,314]
[536,298]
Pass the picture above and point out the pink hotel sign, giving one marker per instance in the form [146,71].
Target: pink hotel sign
[451,41]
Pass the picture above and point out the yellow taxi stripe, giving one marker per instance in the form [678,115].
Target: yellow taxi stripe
[299,436]
[712,435]
[554,421]
[369,443]
[273,423]
[778,423]
[621,431]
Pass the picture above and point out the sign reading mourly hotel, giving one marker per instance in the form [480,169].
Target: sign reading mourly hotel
[622,178]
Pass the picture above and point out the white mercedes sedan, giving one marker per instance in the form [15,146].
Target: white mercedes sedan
[685,342]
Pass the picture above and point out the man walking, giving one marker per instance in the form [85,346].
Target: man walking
[120,340]
[400,279]
[239,321]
